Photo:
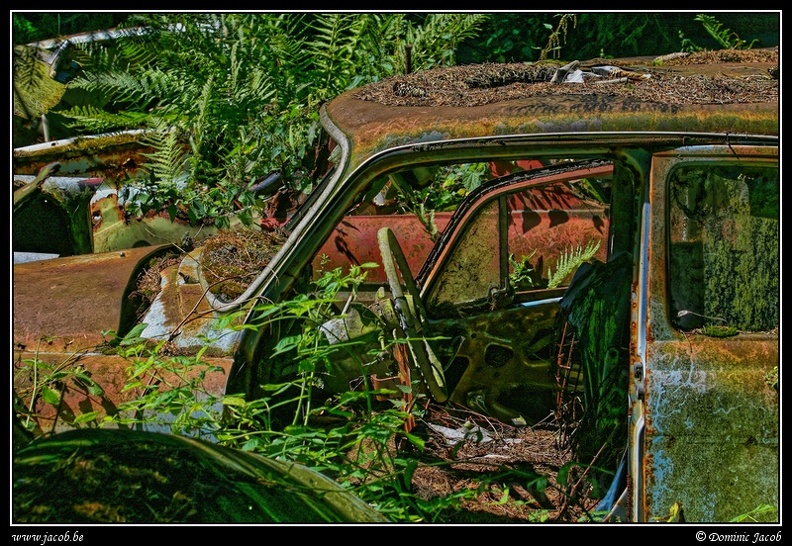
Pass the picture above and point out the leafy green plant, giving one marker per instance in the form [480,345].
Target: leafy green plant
[358,438]
[48,382]
[756,514]
[457,181]
[675,514]
[771,378]
[166,392]
[535,36]
[618,34]
[576,481]
[569,260]
[341,436]
[719,330]
[523,273]
[446,190]
[726,38]
[229,98]
[558,36]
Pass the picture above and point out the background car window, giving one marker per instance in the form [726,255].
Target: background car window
[417,203]
[553,229]
[550,231]
[724,248]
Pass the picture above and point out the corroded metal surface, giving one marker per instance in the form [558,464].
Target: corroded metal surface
[354,241]
[181,314]
[372,127]
[505,373]
[711,437]
[108,155]
[697,404]
[61,310]
[718,97]
[712,410]
[23,194]
[113,229]
[74,298]
[90,172]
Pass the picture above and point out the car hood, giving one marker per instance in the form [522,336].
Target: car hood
[66,311]
[70,301]
[186,479]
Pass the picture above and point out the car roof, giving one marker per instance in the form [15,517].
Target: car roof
[731,91]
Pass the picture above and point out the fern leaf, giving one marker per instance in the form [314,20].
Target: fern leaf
[98,121]
[435,42]
[569,260]
[169,163]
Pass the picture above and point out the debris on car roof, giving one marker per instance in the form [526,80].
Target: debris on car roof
[720,56]
[475,85]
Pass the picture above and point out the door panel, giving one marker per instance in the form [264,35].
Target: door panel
[493,296]
[500,363]
[711,405]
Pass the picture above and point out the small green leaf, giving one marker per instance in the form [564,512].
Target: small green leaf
[133,337]
[50,396]
[287,343]
[83,417]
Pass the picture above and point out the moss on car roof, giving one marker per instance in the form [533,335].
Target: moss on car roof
[726,92]
[697,78]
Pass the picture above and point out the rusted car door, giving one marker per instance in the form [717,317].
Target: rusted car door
[492,285]
[704,393]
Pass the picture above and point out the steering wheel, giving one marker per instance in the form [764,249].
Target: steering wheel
[411,318]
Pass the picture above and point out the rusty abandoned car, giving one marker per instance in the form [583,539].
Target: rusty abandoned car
[618,268]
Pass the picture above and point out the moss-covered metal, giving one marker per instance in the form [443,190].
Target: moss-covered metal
[711,436]
[713,429]
[371,127]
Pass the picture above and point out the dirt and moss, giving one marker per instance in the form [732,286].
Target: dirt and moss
[231,260]
[148,285]
[474,85]
[512,474]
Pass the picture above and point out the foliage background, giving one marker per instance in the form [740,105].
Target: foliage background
[507,36]
[228,99]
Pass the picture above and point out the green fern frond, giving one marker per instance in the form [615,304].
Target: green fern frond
[287,51]
[241,89]
[724,36]
[333,47]
[198,123]
[137,53]
[96,120]
[434,43]
[522,275]
[569,260]
[128,88]
[169,163]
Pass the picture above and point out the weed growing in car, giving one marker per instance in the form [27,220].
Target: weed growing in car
[351,437]
[49,381]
